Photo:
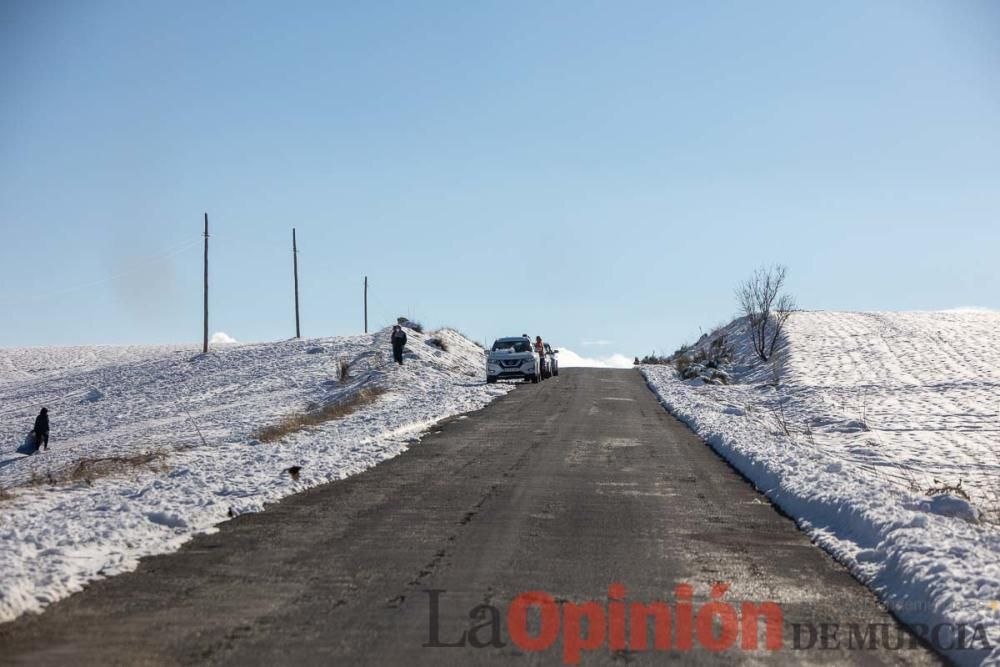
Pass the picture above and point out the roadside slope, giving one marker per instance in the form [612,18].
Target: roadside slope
[168,449]
[877,432]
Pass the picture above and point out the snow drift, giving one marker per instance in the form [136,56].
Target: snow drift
[878,433]
[152,444]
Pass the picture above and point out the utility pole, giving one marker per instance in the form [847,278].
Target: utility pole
[366,304]
[204,345]
[295,270]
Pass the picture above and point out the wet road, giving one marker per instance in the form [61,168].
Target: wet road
[566,488]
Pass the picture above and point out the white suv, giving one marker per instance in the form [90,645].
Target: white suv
[512,358]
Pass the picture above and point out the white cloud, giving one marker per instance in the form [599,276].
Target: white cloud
[222,337]
[570,359]
[597,342]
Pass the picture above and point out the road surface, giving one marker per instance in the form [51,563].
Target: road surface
[564,488]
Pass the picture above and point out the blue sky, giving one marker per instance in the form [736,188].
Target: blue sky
[589,171]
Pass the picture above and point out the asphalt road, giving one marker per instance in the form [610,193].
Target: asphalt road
[565,488]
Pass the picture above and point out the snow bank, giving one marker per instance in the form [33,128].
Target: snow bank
[127,401]
[870,430]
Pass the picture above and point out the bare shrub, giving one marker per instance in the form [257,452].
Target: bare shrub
[90,469]
[719,352]
[439,343]
[37,479]
[317,416]
[681,363]
[721,376]
[864,411]
[654,359]
[87,470]
[942,489]
[343,369]
[410,324]
[782,421]
[765,307]
[5,494]
[990,508]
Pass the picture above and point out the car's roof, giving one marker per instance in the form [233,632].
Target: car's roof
[510,339]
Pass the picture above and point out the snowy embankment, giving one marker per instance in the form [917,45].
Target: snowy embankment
[878,433]
[151,445]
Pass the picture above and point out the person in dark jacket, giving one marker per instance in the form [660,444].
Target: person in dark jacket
[398,341]
[42,429]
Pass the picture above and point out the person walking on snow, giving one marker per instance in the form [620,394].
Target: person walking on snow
[42,429]
[398,341]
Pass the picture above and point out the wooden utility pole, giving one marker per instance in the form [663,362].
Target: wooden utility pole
[366,304]
[295,270]
[204,345]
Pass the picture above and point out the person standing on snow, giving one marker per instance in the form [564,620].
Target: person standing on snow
[42,429]
[398,339]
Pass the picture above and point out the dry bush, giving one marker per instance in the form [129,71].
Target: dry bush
[990,508]
[343,369]
[719,350]
[410,324]
[681,363]
[321,415]
[37,479]
[5,494]
[942,489]
[439,343]
[654,360]
[87,470]
[782,421]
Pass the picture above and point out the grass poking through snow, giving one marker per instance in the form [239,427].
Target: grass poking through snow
[310,418]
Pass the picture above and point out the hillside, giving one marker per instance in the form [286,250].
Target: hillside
[153,444]
[878,433]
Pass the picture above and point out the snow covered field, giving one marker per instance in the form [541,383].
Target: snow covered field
[880,434]
[195,418]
